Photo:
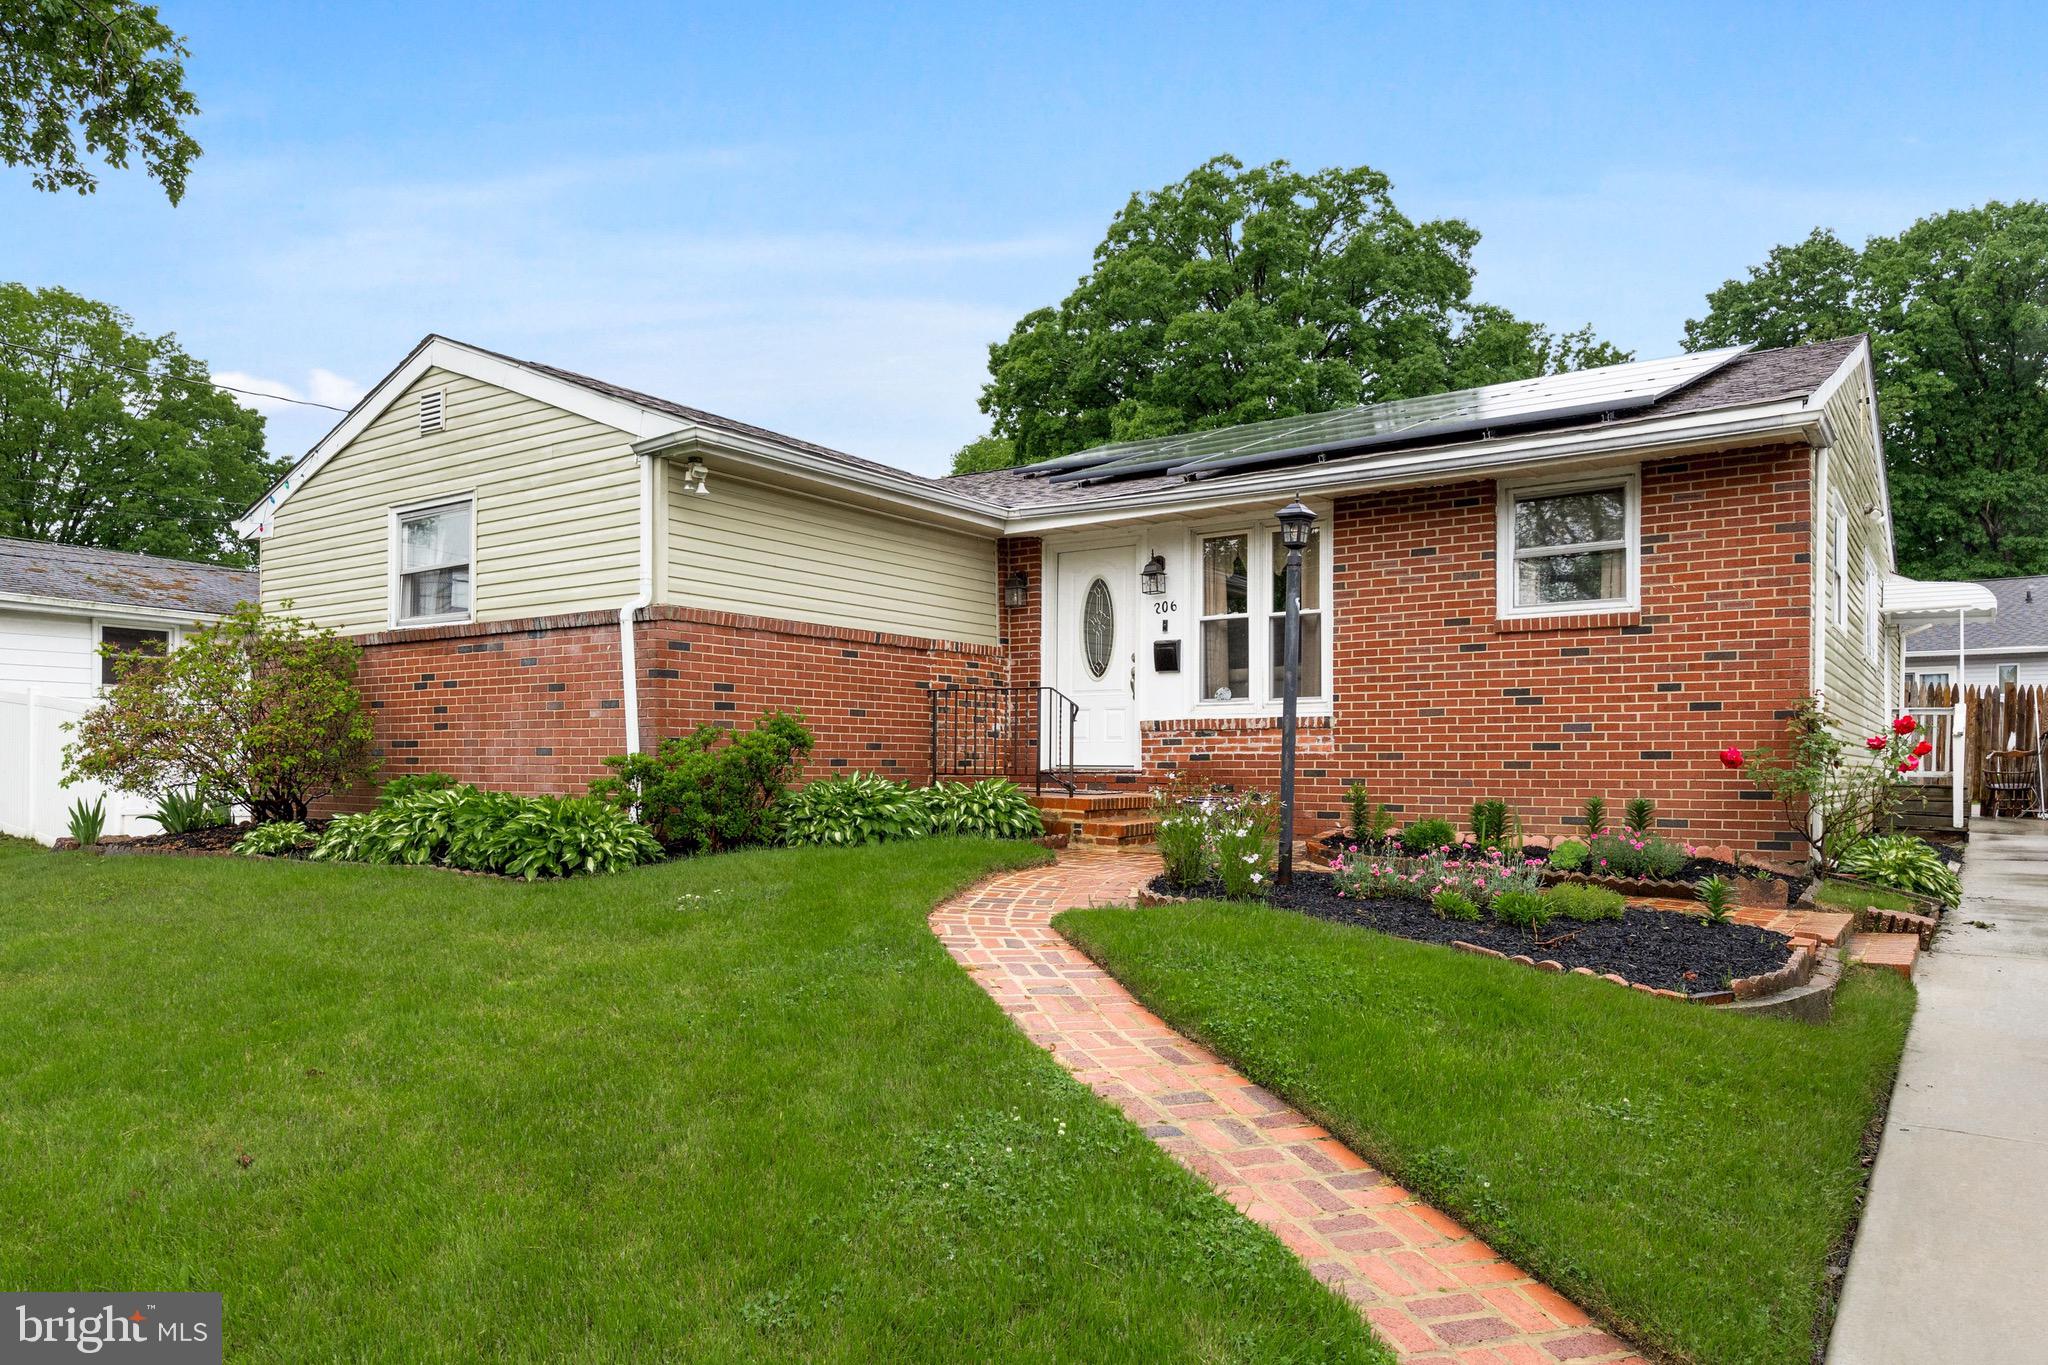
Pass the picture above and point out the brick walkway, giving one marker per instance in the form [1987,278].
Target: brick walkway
[1430,1288]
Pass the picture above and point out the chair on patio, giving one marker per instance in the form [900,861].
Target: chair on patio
[2011,780]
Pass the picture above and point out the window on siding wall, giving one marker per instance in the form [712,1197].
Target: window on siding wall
[1226,618]
[1567,548]
[2008,675]
[121,643]
[1838,563]
[434,563]
[1873,588]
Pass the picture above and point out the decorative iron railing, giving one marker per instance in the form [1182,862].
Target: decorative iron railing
[1023,733]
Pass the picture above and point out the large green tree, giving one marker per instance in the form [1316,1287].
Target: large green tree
[109,73]
[115,439]
[1240,294]
[1957,311]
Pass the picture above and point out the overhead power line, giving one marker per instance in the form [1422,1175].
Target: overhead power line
[176,378]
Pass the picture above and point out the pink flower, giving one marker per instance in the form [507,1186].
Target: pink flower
[1907,765]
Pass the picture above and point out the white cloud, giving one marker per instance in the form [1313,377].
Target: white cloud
[272,396]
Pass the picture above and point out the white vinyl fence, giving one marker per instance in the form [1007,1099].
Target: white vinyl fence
[33,803]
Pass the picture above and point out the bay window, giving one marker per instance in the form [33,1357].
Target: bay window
[1568,548]
[432,548]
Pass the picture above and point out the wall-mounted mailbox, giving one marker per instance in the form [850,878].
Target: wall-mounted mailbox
[1166,656]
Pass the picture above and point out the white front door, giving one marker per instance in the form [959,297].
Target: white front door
[1095,643]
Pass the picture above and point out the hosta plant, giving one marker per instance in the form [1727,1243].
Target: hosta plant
[994,809]
[860,808]
[275,839]
[1904,862]
[520,836]
[1569,855]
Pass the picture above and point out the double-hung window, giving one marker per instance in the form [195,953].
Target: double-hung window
[1568,548]
[119,644]
[1311,684]
[433,549]
[1226,618]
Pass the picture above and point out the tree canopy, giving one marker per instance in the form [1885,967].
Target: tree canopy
[1236,295]
[109,72]
[1957,311]
[115,439]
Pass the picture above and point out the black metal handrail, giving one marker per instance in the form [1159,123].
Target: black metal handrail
[1014,732]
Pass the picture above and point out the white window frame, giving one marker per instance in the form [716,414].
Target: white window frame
[1838,562]
[1509,493]
[395,587]
[173,637]
[2000,675]
[1259,567]
[1251,618]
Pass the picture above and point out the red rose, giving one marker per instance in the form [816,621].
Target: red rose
[1731,757]
[1907,765]
[1877,741]
[1905,725]
[1923,748]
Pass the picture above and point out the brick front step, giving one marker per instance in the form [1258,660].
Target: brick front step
[1921,927]
[1090,802]
[1897,952]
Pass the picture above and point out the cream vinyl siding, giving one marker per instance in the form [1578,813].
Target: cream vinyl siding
[766,551]
[1860,690]
[557,510]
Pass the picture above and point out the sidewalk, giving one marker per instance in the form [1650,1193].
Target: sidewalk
[1947,1264]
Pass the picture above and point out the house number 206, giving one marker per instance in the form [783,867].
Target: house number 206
[1162,608]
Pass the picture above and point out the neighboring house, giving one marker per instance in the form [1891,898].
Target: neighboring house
[2011,649]
[1540,591]
[59,604]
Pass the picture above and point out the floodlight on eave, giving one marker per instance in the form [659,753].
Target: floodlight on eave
[1428,433]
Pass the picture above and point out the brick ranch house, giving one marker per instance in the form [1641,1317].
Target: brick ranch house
[1540,591]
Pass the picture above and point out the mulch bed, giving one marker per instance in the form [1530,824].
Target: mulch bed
[1655,947]
[217,839]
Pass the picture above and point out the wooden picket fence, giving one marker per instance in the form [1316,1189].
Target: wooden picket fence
[2002,719]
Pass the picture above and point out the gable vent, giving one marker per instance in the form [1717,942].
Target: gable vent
[433,411]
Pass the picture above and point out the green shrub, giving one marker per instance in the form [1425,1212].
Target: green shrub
[1593,815]
[1575,900]
[1359,800]
[1905,863]
[1635,855]
[859,808]
[184,809]
[993,809]
[1717,898]
[520,836]
[1568,856]
[88,822]
[1453,905]
[1183,837]
[412,784]
[1427,836]
[1638,814]
[274,839]
[1529,910]
[1491,821]
[711,789]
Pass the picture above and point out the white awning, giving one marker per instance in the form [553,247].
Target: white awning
[1911,604]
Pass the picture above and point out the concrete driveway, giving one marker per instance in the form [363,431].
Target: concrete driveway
[1948,1263]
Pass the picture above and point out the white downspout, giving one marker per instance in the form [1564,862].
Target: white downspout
[1823,550]
[629,663]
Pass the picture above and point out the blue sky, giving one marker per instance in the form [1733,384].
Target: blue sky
[817,219]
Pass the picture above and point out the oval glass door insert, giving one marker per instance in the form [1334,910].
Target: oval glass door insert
[1098,628]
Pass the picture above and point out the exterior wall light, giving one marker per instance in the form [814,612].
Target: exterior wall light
[1017,591]
[1153,576]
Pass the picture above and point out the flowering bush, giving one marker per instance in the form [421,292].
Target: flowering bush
[1231,838]
[1634,855]
[1478,879]
[1819,784]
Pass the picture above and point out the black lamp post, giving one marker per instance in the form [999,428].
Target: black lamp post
[1296,521]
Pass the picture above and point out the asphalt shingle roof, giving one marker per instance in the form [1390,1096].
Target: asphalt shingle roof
[2022,621]
[1756,377]
[78,573]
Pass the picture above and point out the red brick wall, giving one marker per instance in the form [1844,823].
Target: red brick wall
[535,705]
[1440,704]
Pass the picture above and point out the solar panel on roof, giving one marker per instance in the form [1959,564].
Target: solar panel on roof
[1518,403]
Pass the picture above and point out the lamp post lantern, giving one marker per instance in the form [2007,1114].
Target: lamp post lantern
[1296,522]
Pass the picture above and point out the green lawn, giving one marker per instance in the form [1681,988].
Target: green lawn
[1681,1171]
[738,1108]
[1851,897]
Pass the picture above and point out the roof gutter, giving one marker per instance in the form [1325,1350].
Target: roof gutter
[76,606]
